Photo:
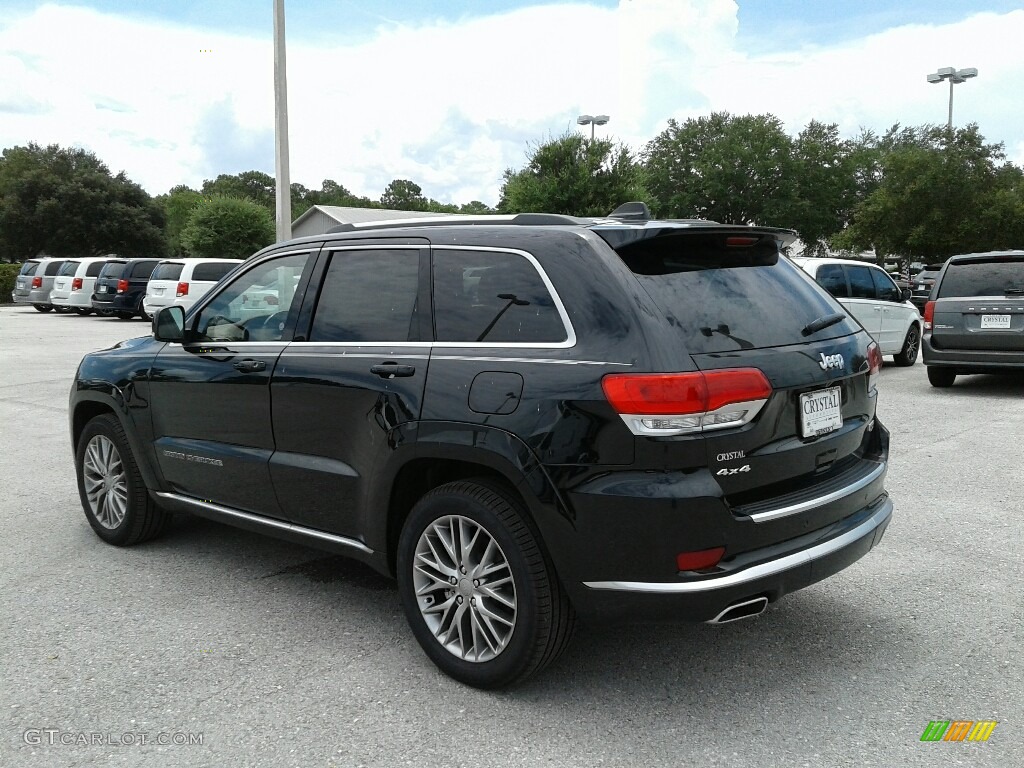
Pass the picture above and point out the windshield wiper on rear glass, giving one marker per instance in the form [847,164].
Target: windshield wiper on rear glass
[822,323]
[1014,291]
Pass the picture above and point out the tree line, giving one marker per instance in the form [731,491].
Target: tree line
[913,193]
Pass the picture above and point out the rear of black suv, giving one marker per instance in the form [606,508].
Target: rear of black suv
[974,319]
[520,419]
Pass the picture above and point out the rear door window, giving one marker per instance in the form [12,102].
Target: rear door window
[369,296]
[721,299]
[212,271]
[997,277]
[861,284]
[168,270]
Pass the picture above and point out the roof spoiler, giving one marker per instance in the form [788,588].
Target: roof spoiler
[521,219]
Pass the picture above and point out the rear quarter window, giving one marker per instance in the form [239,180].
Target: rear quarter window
[983,278]
[722,299]
[167,271]
[212,271]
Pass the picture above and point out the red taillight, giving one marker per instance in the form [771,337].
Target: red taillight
[37,282]
[76,284]
[740,242]
[182,289]
[122,286]
[929,315]
[699,560]
[686,402]
[874,364]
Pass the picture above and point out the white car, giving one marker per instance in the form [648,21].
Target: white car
[184,281]
[870,295]
[73,285]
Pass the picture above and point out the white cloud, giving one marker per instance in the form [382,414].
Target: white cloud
[451,105]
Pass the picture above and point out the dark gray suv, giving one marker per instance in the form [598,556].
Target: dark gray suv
[974,319]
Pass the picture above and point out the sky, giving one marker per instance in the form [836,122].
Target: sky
[451,93]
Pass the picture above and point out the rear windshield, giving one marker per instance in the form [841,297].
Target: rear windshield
[167,271]
[69,269]
[53,267]
[212,271]
[983,278]
[112,269]
[142,270]
[722,299]
[29,268]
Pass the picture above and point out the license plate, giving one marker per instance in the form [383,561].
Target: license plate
[101,289]
[821,412]
[20,284]
[995,321]
[158,291]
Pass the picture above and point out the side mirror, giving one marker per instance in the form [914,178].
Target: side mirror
[169,324]
[905,294]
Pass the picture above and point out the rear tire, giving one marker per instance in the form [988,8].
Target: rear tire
[114,497]
[506,616]
[941,377]
[41,308]
[911,348]
[125,315]
[83,312]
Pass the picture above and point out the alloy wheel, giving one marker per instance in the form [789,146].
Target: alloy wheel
[106,483]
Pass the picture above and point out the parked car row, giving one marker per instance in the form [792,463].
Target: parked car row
[112,286]
[972,305]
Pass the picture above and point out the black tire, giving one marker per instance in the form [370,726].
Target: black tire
[83,312]
[42,308]
[543,620]
[911,348]
[125,315]
[142,519]
[62,310]
[144,315]
[941,377]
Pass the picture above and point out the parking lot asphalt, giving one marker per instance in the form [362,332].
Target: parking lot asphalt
[272,654]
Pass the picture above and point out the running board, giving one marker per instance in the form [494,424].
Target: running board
[260,524]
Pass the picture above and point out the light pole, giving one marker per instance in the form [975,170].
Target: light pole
[283,181]
[592,120]
[954,76]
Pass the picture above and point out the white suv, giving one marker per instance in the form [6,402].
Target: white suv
[870,295]
[72,288]
[183,281]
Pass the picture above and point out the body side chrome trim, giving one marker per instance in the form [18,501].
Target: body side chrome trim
[756,572]
[266,522]
[828,498]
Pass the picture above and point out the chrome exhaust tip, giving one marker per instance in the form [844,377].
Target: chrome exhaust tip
[743,610]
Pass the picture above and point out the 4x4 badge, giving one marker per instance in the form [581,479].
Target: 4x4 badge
[831,361]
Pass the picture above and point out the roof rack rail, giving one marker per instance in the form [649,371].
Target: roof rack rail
[517,219]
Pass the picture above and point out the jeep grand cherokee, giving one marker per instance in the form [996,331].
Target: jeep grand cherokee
[523,419]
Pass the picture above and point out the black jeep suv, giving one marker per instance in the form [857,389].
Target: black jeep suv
[524,419]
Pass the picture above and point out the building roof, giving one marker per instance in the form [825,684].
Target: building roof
[346,215]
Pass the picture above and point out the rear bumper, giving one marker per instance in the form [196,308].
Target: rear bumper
[20,297]
[40,296]
[75,300]
[971,359]
[111,302]
[771,573]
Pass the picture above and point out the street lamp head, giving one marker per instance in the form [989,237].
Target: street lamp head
[963,74]
[934,78]
[585,119]
[601,119]
[946,71]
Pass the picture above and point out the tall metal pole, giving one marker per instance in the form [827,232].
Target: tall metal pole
[283,179]
[949,123]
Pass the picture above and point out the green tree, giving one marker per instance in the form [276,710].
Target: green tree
[826,190]
[248,185]
[226,227]
[573,175]
[177,205]
[475,207]
[949,192]
[404,195]
[735,170]
[65,202]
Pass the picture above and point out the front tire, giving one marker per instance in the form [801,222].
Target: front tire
[941,377]
[479,594]
[114,496]
[911,348]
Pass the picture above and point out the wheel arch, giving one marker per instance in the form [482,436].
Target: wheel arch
[101,398]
